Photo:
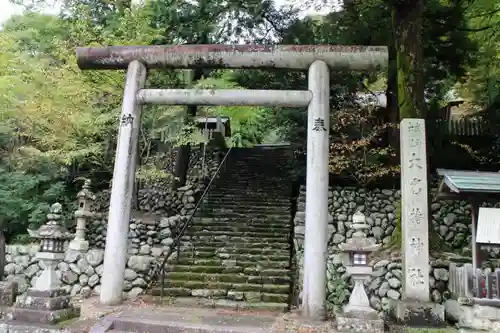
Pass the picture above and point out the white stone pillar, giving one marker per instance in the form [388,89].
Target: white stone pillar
[414,210]
[115,254]
[316,225]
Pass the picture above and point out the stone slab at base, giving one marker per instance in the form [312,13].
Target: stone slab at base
[473,318]
[417,313]
[44,303]
[295,323]
[26,328]
[42,316]
[362,323]
[8,292]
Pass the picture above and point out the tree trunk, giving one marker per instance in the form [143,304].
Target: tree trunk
[392,112]
[407,19]
[407,27]
[2,254]
[182,162]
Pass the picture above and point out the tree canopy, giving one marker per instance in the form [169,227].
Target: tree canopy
[59,123]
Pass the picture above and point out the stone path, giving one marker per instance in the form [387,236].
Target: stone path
[158,320]
[138,316]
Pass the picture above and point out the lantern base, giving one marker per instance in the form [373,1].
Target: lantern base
[359,322]
[417,313]
[43,307]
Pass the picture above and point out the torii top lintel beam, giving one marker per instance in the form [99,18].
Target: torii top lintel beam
[348,57]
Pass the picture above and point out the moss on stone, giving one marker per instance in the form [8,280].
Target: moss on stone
[430,330]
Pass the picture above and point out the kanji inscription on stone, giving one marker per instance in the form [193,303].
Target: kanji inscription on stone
[415,162]
[416,244]
[416,277]
[415,185]
[127,119]
[416,216]
[319,125]
[415,127]
[415,143]
[414,210]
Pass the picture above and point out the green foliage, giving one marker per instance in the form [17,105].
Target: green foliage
[25,199]
[338,296]
[355,150]
[249,125]
[59,123]
[396,237]
[482,83]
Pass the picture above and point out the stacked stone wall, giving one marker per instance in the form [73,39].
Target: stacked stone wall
[152,230]
[450,221]
[80,273]
[159,207]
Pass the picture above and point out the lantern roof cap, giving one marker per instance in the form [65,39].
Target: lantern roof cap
[86,192]
[359,241]
[53,228]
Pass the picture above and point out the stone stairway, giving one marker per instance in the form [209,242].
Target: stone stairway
[237,251]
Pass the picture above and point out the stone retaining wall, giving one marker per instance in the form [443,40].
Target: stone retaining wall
[450,220]
[160,198]
[80,273]
[151,231]
[159,207]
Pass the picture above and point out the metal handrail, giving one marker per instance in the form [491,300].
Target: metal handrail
[183,229]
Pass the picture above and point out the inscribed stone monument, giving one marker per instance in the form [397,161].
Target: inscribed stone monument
[415,307]
[414,210]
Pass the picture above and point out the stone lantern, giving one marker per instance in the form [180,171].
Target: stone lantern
[358,316]
[85,198]
[46,302]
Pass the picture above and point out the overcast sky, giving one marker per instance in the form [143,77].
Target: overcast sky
[7,9]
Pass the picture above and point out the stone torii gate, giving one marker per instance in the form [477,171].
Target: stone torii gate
[318,59]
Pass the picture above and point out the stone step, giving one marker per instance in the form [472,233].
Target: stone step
[237,223]
[186,254]
[247,200]
[226,186]
[244,197]
[244,209]
[220,247]
[265,277]
[254,216]
[252,188]
[264,288]
[194,302]
[249,296]
[253,182]
[209,266]
[196,234]
[188,316]
[195,239]
[242,250]
[273,167]
[223,265]
[230,204]
[250,171]
[238,228]
[231,186]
